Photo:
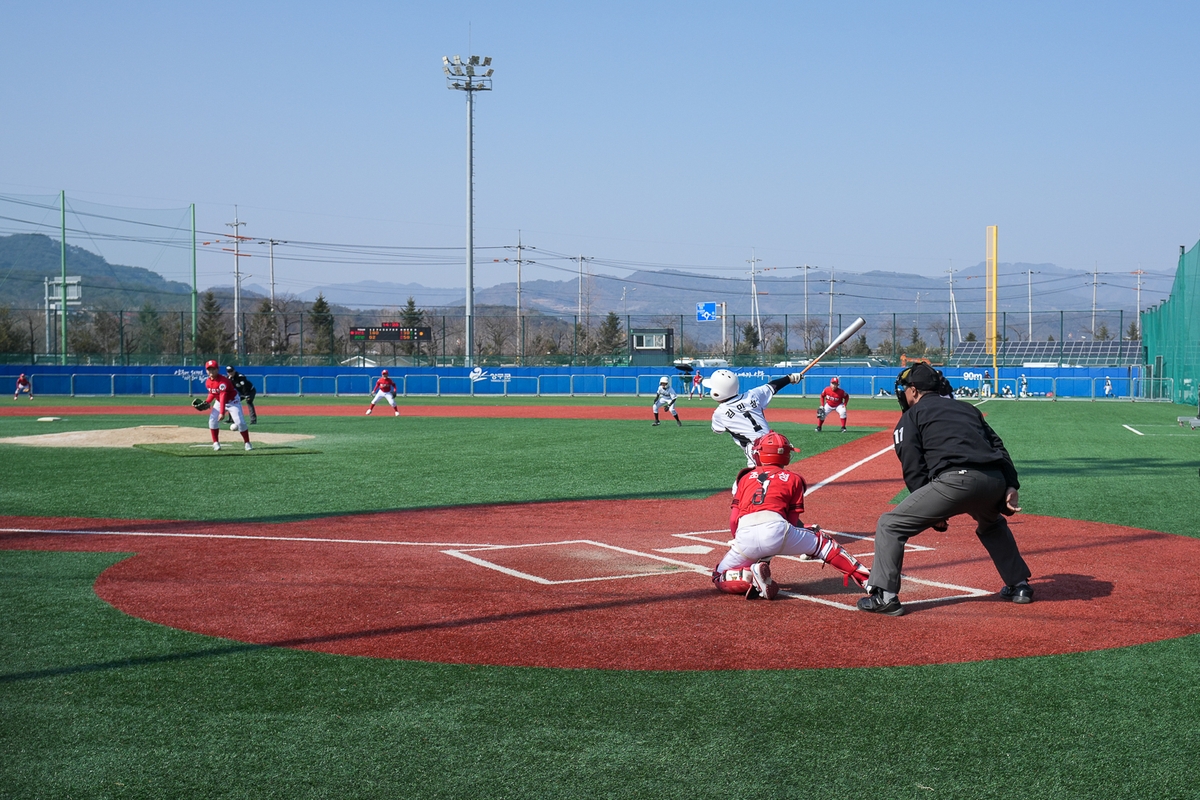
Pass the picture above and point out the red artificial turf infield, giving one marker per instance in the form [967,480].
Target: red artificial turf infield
[549,584]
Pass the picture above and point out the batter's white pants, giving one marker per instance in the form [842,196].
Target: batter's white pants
[763,535]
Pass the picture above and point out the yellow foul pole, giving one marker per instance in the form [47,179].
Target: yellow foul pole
[992,287]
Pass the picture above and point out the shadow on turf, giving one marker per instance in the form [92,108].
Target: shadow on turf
[1092,466]
[235,649]
[1049,589]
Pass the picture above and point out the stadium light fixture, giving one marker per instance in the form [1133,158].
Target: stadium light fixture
[473,83]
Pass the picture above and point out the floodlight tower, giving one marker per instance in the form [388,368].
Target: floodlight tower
[475,75]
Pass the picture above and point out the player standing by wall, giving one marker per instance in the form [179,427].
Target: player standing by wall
[23,385]
[833,398]
[953,463]
[765,520]
[385,388]
[741,414]
[696,387]
[222,397]
[665,397]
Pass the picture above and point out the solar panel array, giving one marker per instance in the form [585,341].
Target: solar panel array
[1077,354]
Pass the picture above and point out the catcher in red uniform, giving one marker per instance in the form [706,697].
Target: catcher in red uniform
[765,520]
[222,398]
[833,398]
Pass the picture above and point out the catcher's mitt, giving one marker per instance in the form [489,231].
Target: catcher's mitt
[201,405]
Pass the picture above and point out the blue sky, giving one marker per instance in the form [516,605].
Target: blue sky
[850,135]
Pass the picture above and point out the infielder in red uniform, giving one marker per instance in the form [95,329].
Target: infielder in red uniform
[222,398]
[833,398]
[697,385]
[23,385]
[385,387]
[765,520]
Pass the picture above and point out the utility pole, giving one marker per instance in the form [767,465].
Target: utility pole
[1137,312]
[237,284]
[956,325]
[754,318]
[1095,271]
[1030,281]
[831,283]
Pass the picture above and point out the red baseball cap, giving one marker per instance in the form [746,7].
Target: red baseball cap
[211,365]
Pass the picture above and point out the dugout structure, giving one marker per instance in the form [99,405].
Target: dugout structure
[1171,332]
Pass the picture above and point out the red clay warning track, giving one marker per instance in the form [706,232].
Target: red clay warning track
[624,584]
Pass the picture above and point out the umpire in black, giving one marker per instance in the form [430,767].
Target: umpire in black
[245,390]
[954,463]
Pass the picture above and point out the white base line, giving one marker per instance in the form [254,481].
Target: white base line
[236,536]
[1139,433]
[853,466]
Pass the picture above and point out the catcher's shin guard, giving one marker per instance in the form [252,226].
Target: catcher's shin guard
[836,556]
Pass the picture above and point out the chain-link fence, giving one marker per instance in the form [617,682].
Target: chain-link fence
[295,332]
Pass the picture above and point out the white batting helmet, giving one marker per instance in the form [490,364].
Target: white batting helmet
[664,381]
[722,385]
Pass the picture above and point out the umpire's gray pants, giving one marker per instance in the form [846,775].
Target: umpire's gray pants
[977,492]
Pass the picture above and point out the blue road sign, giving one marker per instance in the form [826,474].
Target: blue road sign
[706,312]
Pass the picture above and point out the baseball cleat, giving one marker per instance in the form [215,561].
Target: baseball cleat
[843,430]
[761,581]
[1021,593]
[248,447]
[368,412]
[818,429]
[680,424]
[875,604]
[655,424]
[216,445]
[397,413]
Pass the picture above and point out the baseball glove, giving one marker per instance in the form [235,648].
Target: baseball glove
[201,405]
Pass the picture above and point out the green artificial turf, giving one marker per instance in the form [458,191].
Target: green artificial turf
[231,449]
[98,704]
[369,464]
[94,703]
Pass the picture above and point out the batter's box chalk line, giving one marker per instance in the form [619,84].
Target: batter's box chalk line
[957,592]
[465,554]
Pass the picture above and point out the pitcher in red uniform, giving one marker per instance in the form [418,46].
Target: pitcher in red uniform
[224,398]
[765,520]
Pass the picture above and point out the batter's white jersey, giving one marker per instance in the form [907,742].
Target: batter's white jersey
[742,417]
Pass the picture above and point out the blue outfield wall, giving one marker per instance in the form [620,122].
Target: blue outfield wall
[1074,382]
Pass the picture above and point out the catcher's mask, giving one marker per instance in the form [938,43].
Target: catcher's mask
[923,378]
[211,365]
[772,448]
[722,385]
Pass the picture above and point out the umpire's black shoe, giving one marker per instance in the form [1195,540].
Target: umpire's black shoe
[875,604]
[1021,593]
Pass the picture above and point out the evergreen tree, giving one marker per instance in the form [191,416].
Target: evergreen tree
[150,330]
[971,337]
[320,318]
[1102,333]
[411,317]
[610,338]
[11,340]
[750,336]
[1133,334]
[212,337]
[263,336]
[860,346]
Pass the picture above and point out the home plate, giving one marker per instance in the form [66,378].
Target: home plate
[689,550]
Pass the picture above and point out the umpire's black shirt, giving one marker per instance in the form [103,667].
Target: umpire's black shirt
[938,433]
[243,385]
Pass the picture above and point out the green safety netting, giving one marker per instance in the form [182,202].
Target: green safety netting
[1171,333]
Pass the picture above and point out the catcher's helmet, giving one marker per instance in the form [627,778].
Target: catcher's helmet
[722,385]
[834,381]
[211,365]
[772,448]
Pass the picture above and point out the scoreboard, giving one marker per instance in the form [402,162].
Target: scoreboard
[392,332]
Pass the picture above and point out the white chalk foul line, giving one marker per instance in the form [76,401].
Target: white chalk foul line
[237,536]
[464,555]
[1135,430]
[848,469]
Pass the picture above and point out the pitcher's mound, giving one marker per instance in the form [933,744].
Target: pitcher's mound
[142,434]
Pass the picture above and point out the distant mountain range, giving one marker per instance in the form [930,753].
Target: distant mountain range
[25,259]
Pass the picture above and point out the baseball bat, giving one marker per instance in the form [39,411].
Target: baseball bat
[851,329]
